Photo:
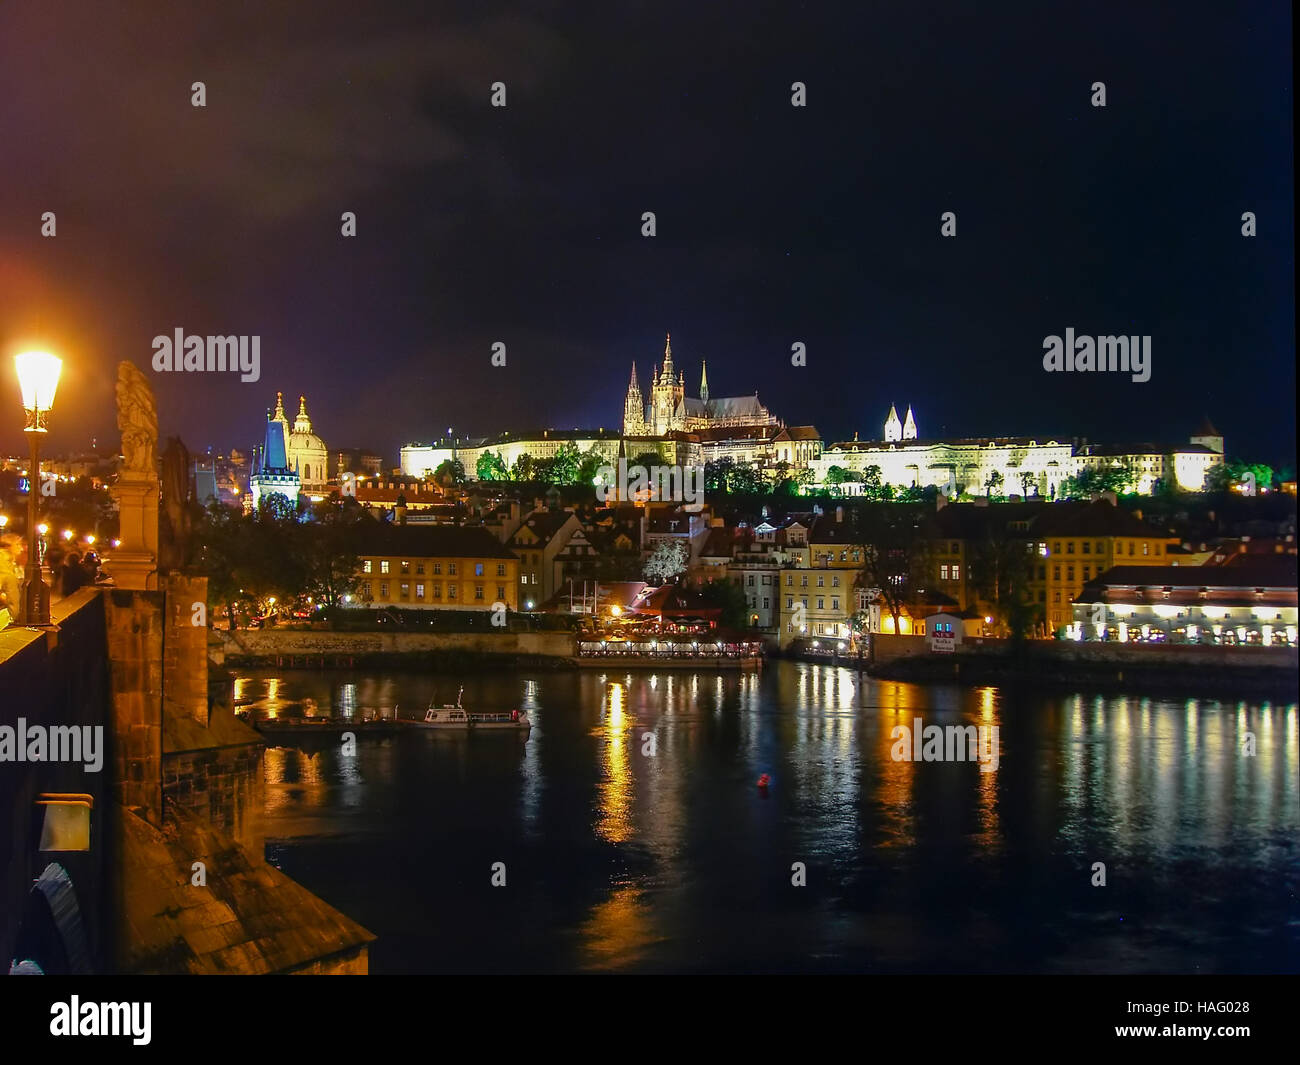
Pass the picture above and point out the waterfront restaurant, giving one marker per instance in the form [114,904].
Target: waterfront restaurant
[1252,603]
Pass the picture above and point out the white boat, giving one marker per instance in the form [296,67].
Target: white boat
[456,717]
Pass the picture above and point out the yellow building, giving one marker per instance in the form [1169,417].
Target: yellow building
[817,600]
[436,567]
[1075,546]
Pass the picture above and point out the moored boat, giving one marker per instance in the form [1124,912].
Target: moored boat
[454,717]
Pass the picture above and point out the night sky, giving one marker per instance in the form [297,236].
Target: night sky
[776,224]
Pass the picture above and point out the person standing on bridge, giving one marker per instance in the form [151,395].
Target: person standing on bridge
[13,558]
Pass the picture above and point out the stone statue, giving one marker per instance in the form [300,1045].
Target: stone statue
[174,533]
[137,418]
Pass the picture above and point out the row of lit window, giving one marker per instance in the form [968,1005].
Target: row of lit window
[803,580]
[435,590]
[367,566]
[821,602]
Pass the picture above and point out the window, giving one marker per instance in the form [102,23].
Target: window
[1146,548]
[383,589]
[1069,548]
[821,604]
[803,581]
[943,572]
[451,569]
[1056,597]
[523,579]
[844,556]
[383,566]
[501,569]
[478,591]
[835,602]
[1069,573]
[1056,548]
[501,592]
[367,566]
[1130,547]
[789,602]
[419,569]
[765,603]
[419,591]
[478,569]
[766,579]
[789,579]
[451,591]
[437,589]
[406,591]
[437,568]
[956,572]
[1087,547]
[1101,547]
[821,580]
[956,548]
[1087,573]
[751,580]
[406,567]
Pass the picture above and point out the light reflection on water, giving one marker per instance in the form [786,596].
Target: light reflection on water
[623,859]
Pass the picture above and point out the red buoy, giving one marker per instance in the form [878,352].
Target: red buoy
[764,781]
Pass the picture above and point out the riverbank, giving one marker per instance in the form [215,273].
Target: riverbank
[433,651]
[1145,669]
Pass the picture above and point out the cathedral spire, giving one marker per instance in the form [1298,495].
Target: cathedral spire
[632,384]
[302,424]
[668,357]
[279,408]
[704,381]
[893,427]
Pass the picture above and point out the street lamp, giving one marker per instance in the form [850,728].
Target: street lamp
[38,378]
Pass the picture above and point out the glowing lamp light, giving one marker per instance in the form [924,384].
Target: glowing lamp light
[90,539]
[38,377]
[67,534]
[616,610]
[42,528]
[4,520]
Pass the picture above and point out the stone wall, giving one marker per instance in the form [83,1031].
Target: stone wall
[55,678]
[316,648]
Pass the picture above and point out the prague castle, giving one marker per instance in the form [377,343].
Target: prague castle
[668,409]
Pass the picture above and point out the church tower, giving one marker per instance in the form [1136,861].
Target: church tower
[704,382]
[893,427]
[909,425]
[634,409]
[667,396]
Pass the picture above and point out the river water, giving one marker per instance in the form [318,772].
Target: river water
[633,837]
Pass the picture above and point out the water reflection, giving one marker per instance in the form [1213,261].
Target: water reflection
[671,860]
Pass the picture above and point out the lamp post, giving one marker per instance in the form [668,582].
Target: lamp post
[38,378]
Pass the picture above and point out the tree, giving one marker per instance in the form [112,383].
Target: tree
[668,559]
[893,552]
[523,468]
[1001,569]
[731,598]
[329,548]
[564,467]
[589,465]
[994,484]
[837,475]
[872,489]
[491,467]
[450,472]
[1027,484]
